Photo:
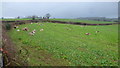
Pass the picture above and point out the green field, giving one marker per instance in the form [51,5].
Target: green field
[15,19]
[65,44]
[66,20]
[82,21]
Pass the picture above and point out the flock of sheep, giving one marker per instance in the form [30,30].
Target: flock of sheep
[34,31]
[27,29]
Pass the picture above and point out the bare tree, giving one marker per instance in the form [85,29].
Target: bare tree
[47,15]
[18,17]
[2,17]
[34,17]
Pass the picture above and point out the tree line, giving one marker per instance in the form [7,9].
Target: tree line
[33,17]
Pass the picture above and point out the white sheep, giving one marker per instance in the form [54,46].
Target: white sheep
[97,31]
[25,29]
[15,27]
[18,30]
[41,29]
[34,31]
[31,33]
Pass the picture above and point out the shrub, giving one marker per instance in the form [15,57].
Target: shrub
[8,26]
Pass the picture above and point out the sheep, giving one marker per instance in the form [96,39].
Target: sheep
[87,33]
[18,30]
[25,29]
[97,31]
[15,27]
[41,29]
[33,32]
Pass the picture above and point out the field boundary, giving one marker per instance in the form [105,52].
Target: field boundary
[63,22]
[11,57]
[80,23]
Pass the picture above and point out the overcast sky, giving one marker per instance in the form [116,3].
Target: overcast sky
[60,0]
[60,9]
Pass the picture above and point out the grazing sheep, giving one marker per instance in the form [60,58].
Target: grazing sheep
[31,33]
[25,29]
[41,29]
[87,33]
[15,27]
[31,23]
[97,31]
[18,30]
[34,31]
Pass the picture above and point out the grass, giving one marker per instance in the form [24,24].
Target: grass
[66,20]
[65,44]
[15,19]
[83,21]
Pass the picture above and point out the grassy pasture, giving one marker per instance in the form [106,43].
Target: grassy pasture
[15,19]
[65,44]
[83,21]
